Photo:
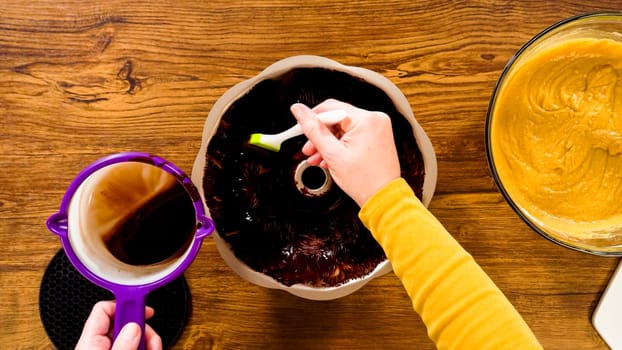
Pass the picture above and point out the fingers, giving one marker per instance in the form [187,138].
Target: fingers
[319,135]
[98,322]
[314,159]
[332,104]
[149,312]
[152,339]
[97,328]
[308,148]
[128,338]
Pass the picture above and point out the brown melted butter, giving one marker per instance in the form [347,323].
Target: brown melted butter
[140,212]
[258,210]
[160,229]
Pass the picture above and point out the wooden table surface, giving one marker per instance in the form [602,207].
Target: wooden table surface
[84,79]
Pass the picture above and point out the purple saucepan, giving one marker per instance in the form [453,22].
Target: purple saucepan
[130,292]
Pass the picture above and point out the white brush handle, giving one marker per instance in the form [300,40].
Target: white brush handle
[332,117]
[327,118]
[274,141]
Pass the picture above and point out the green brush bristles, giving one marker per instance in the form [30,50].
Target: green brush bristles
[256,141]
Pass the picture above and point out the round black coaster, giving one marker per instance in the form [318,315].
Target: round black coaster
[66,299]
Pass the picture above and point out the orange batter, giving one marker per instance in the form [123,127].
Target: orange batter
[556,136]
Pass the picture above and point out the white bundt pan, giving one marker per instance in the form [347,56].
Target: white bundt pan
[273,71]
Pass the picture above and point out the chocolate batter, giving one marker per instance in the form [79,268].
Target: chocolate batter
[257,209]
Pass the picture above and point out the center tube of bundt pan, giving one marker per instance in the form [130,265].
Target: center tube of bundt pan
[312,180]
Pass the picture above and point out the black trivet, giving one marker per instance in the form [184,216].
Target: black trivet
[66,299]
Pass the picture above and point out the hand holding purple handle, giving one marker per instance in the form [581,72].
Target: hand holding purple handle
[130,308]
[129,283]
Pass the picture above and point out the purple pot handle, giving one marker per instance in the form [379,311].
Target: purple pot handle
[130,308]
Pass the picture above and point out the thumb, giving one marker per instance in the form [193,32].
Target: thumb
[319,135]
[128,338]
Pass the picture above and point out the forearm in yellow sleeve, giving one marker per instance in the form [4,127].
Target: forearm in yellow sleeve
[459,304]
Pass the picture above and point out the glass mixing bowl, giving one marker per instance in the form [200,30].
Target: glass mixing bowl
[554,133]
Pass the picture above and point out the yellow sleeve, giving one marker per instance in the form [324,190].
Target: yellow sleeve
[459,304]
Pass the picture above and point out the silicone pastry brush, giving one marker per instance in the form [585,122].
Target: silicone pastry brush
[273,142]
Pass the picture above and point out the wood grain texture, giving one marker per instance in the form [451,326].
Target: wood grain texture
[83,79]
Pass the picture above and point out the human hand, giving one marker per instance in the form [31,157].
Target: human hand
[97,331]
[363,160]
